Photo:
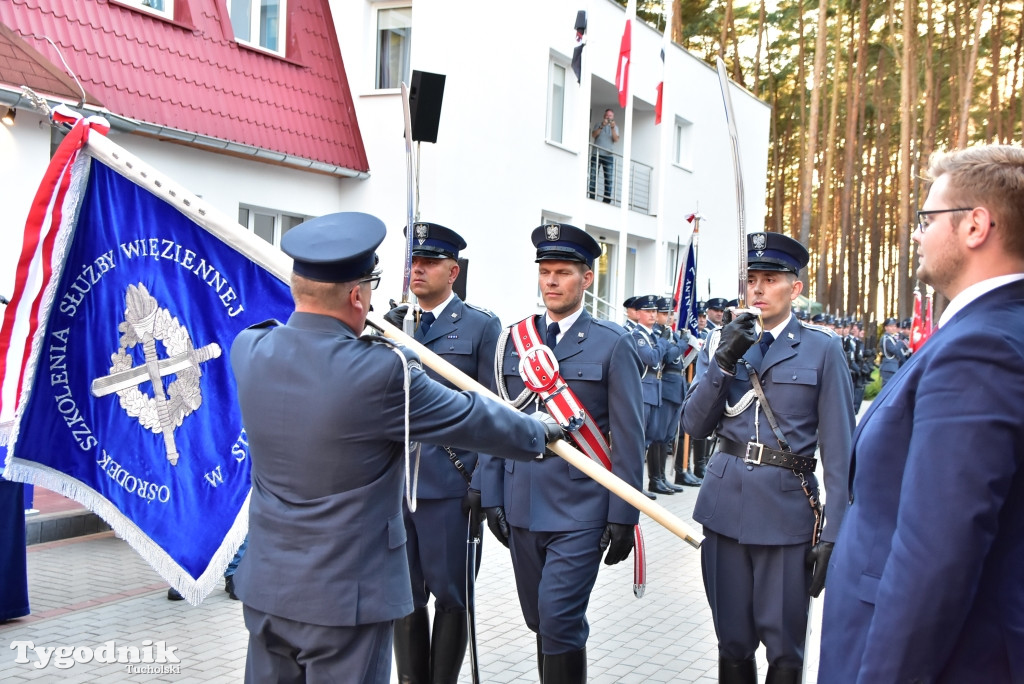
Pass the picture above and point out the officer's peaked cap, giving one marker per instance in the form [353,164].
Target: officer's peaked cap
[335,248]
[891,321]
[562,242]
[665,304]
[629,303]
[719,303]
[434,241]
[775,252]
[647,303]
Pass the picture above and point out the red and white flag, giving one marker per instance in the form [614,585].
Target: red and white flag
[622,72]
[666,40]
[917,331]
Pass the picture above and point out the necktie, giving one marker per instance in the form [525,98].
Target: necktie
[766,341]
[425,321]
[552,337]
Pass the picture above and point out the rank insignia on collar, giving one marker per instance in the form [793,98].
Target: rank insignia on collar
[789,335]
[552,232]
[453,337]
[581,334]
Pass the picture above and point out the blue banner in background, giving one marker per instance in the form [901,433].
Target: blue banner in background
[688,298]
[130,406]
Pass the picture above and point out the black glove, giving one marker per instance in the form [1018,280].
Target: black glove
[471,507]
[737,337]
[397,314]
[618,539]
[552,430]
[496,521]
[817,562]
[666,333]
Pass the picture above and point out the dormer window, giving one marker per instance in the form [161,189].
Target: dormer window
[163,8]
[258,23]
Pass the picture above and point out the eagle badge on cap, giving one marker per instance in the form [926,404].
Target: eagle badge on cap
[759,241]
[422,231]
[551,232]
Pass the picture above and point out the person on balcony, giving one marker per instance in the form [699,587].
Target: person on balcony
[605,135]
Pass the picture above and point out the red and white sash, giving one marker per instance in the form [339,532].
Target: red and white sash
[538,368]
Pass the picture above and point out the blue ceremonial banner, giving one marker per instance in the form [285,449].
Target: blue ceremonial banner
[688,298]
[126,400]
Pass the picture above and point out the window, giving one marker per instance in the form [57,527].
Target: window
[556,102]
[394,41]
[682,150]
[164,8]
[259,23]
[268,224]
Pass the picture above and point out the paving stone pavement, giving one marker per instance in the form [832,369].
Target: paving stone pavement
[90,590]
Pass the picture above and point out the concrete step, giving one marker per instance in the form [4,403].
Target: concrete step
[47,527]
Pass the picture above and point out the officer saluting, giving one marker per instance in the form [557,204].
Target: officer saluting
[465,337]
[326,570]
[559,521]
[772,403]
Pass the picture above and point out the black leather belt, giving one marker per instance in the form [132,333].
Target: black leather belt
[759,454]
[672,372]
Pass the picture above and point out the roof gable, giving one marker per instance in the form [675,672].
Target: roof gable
[190,74]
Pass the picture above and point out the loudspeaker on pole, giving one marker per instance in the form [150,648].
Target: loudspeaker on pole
[425,95]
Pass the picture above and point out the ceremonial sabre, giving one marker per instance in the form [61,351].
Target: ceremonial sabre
[409,322]
[741,217]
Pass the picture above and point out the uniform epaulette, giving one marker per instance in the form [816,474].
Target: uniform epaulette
[819,328]
[481,309]
[610,325]
[269,323]
[410,355]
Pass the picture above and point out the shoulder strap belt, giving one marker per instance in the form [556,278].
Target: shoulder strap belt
[538,368]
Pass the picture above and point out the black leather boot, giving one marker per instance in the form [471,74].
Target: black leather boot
[699,458]
[448,647]
[655,482]
[783,675]
[737,671]
[663,453]
[412,647]
[566,668]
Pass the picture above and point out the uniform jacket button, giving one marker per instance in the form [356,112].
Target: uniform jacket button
[750,467]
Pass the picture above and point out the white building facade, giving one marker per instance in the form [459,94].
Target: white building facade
[513,145]
[513,150]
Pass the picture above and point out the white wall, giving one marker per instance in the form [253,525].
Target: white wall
[491,175]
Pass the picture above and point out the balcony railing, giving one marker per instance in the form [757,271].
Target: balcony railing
[605,184]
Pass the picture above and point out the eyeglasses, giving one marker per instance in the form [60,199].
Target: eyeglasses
[373,279]
[922,216]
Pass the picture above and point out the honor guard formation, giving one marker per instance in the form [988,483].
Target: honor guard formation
[373,478]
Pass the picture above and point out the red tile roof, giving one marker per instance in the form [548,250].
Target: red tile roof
[189,74]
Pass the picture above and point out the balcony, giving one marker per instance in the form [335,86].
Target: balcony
[605,183]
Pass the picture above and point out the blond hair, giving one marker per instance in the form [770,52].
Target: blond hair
[990,176]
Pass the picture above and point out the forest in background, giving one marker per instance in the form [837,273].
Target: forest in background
[861,93]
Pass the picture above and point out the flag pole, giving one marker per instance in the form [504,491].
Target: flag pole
[279,264]
[627,148]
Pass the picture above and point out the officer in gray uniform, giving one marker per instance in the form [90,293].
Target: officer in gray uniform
[630,306]
[894,350]
[652,350]
[464,336]
[673,388]
[759,561]
[556,521]
[326,571]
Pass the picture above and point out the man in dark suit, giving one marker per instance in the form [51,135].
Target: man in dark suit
[464,336]
[925,583]
[556,521]
[760,558]
[325,411]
